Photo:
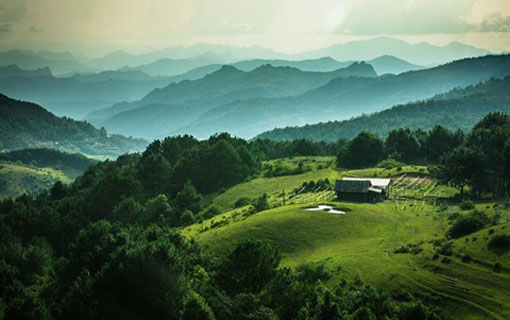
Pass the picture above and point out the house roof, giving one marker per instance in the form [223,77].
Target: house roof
[352,186]
[375,182]
[361,185]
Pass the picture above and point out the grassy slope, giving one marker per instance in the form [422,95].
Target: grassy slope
[16,179]
[361,243]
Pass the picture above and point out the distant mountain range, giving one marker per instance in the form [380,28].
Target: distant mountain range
[58,63]
[456,109]
[169,108]
[172,67]
[27,125]
[382,65]
[13,71]
[80,94]
[420,53]
[64,63]
[344,98]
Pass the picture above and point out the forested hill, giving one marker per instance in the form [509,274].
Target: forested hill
[28,125]
[456,109]
[72,164]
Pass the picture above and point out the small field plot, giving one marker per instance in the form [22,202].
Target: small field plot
[420,187]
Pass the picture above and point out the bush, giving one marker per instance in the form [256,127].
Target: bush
[311,274]
[389,163]
[467,224]
[467,205]
[497,267]
[211,211]
[402,249]
[446,249]
[500,241]
[262,203]
[466,258]
[241,202]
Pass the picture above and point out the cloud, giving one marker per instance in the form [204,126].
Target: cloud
[407,17]
[34,29]
[5,28]
[13,10]
[495,22]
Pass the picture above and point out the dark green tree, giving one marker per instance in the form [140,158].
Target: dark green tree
[365,150]
[249,267]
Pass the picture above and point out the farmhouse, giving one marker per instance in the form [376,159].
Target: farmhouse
[363,189]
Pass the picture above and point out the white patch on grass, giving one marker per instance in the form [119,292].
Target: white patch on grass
[323,207]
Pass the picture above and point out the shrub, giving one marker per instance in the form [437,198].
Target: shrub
[241,202]
[446,260]
[500,241]
[402,249]
[211,211]
[466,258]
[467,224]
[467,205]
[446,249]
[497,267]
[310,274]
[262,203]
[389,163]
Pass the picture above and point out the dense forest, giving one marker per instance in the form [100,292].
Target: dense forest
[27,125]
[459,108]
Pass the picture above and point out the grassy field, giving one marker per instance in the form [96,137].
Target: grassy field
[316,168]
[16,179]
[362,242]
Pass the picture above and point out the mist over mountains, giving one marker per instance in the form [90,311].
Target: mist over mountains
[204,88]
[246,104]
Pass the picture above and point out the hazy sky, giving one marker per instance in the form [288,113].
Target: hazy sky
[98,26]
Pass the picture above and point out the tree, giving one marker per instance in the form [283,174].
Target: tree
[440,141]
[155,173]
[490,136]
[249,267]
[365,150]
[189,199]
[196,308]
[402,145]
[463,166]
[158,210]
[262,203]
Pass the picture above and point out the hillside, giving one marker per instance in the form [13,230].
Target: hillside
[19,179]
[32,171]
[72,96]
[364,242]
[72,165]
[27,125]
[342,99]
[456,109]
[164,110]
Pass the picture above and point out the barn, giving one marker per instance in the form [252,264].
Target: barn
[363,189]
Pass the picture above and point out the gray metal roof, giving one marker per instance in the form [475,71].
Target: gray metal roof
[352,186]
[361,185]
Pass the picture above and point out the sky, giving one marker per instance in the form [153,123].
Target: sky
[95,27]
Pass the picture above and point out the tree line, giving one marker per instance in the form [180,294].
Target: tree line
[479,159]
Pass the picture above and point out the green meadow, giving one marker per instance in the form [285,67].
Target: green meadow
[365,241]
